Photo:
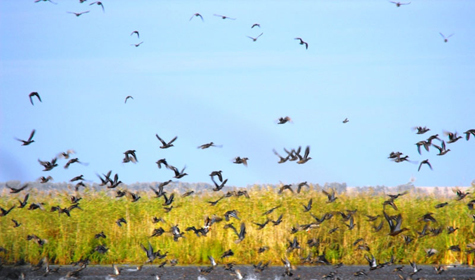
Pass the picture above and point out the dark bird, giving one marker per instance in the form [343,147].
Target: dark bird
[239,160]
[217,173]
[308,207]
[281,159]
[77,178]
[137,33]
[120,221]
[331,196]
[256,25]
[262,225]
[71,161]
[78,14]
[293,245]
[168,200]
[241,234]
[460,194]
[428,218]
[301,185]
[98,3]
[255,38]
[37,1]
[302,42]
[442,149]
[137,45]
[100,235]
[160,162]
[207,145]
[468,132]
[224,17]
[130,154]
[303,159]
[425,144]
[166,145]
[283,120]
[414,268]
[218,187]
[151,255]
[345,120]
[15,190]
[398,4]
[394,224]
[426,161]
[278,221]
[128,97]
[4,212]
[227,253]
[446,39]
[440,205]
[453,137]
[44,179]
[32,94]
[213,203]
[30,139]
[286,187]
[231,214]
[134,197]
[24,202]
[271,210]
[48,165]
[197,15]
[178,174]
[421,130]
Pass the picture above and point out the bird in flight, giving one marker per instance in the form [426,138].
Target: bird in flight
[426,161]
[256,25]
[30,139]
[224,17]
[45,1]
[98,3]
[446,39]
[135,32]
[398,4]
[345,120]
[136,45]
[78,14]
[302,42]
[197,15]
[255,39]
[283,120]
[32,94]
[166,145]
[127,98]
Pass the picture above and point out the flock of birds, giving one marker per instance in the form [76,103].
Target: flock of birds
[299,155]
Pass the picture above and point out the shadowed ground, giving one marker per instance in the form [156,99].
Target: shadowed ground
[275,272]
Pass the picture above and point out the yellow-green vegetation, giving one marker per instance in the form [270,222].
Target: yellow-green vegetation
[71,238]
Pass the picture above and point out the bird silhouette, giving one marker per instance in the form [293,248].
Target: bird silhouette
[224,17]
[197,15]
[166,145]
[446,38]
[426,161]
[78,14]
[302,42]
[399,4]
[127,98]
[30,139]
[98,3]
[34,94]
[255,38]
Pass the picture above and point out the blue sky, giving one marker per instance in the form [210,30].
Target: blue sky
[383,67]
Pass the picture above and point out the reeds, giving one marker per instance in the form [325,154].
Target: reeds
[72,238]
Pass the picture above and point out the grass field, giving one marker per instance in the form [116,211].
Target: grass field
[69,239]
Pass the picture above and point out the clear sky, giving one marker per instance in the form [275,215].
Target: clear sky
[385,68]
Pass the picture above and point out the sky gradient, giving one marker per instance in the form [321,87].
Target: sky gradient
[385,68]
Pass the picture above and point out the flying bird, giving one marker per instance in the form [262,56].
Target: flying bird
[135,32]
[98,3]
[30,139]
[398,4]
[256,25]
[78,14]
[32,94]
[302,42]
[166,145]
[426,161]
[255,39]
[224,17]
[446,39]
[345,120]
[127,98]
[197,15]
[136,45]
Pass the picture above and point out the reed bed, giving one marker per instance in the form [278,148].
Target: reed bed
[69,239]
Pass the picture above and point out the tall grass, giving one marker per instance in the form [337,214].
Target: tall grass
[72,238]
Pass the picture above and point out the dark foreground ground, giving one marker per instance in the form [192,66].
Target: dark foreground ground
[192,272]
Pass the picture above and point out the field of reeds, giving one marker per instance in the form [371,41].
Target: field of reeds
[69,239]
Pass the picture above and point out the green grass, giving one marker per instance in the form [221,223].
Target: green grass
[72,238]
